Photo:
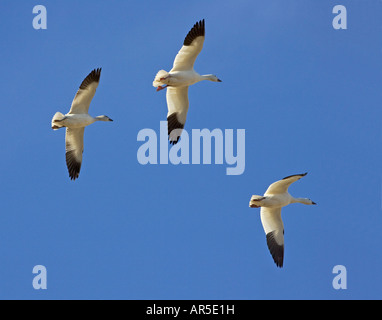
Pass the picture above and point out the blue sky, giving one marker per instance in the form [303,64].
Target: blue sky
[307,95]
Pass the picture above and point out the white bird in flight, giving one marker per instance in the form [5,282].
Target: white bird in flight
[76,120]
[180,77]
[276,197]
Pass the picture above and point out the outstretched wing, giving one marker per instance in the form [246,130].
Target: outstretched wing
[274,230]
[177,103]
[86,93]
[192,45]
[282,186]
[74,142]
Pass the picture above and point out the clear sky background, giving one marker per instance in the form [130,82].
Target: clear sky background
[307,95]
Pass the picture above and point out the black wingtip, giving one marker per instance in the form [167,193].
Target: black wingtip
[276,250]
[174,142]
[93,76]
[174,124]
[198,30]
[295,175]
[74,167]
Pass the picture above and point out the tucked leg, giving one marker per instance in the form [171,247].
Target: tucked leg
[161,88]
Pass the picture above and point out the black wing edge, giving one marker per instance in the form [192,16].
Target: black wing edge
[296,175]
[276,250]
[93,76]
[73,165]
[173,124]
[198,30]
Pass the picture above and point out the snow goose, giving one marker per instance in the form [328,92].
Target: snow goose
[180,77]
[276,197]
[76,120]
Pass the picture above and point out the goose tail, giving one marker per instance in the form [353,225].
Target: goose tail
[57,118]
[256,201]
[158,81]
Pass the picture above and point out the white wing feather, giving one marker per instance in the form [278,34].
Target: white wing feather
[74,142]
[85,94]
[192,45]
[282,186]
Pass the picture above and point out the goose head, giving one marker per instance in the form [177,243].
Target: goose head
[309,202]
[304,201]
[213,78]
[103,118]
